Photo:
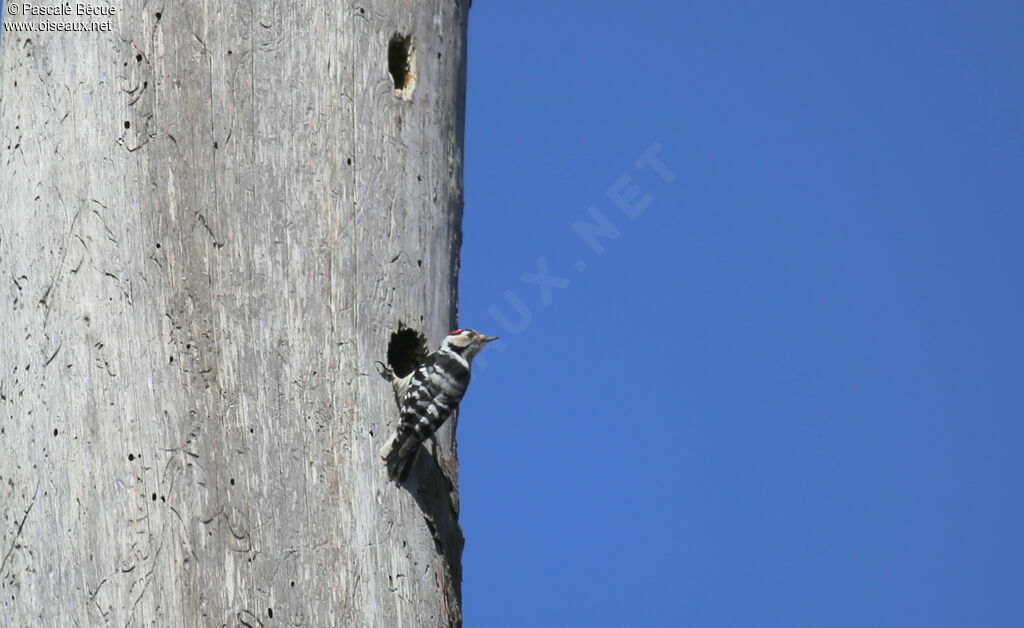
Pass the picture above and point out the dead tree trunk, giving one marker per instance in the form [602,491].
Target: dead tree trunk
[214,217]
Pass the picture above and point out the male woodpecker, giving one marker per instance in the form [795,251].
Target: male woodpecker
[428,396]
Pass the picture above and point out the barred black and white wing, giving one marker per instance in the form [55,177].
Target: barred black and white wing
[433,394]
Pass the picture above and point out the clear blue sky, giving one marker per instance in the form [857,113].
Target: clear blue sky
[789,392]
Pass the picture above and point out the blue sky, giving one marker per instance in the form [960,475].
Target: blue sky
[788,393]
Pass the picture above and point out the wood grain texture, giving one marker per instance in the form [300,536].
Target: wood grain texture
[213,217]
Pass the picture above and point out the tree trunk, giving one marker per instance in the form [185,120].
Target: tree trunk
[214,217]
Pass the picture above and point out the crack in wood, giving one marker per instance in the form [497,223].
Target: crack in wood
[17,534]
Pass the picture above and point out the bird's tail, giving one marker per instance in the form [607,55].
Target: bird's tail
[398,459]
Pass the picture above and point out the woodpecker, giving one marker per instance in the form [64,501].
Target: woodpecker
[428,396]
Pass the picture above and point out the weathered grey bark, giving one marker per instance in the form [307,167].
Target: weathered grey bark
[212,218]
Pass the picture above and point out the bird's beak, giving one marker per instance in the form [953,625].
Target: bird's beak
[489,339]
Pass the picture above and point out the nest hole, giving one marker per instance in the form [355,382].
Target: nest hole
[402,65]
[406,350]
